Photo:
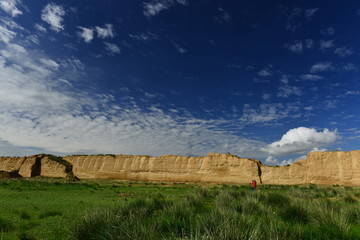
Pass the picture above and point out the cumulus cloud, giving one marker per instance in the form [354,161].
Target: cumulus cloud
[9,6]
[86,33]
[301,140]
[321,67]
[105,32]
[53,14]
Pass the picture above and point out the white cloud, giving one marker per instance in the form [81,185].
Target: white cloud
[326,44]
[286,91]
[9,6]
[40,27]
[301,140]
[267,113]
[39,110]
[311,77]
[271,161]
[53,15]
[224,16]
[6,35]
[343,51]
[266,96]
[296,47]
[309,13]
[86,33]
[179,48]
[49,63]
[105,32]
[265,72]
[350,67]
[321,67]
[143,36]
[33,39]
[309,43]
[154,7]
[329,31]
[274,161]
[352,93]
[11,24]
[112,48]
[183,2]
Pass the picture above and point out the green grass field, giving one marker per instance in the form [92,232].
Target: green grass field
[59,209]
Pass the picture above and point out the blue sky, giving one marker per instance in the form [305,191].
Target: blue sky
[271,81]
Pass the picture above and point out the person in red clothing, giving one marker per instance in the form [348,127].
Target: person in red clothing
[253,184]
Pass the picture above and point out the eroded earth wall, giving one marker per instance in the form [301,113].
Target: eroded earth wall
[318,168]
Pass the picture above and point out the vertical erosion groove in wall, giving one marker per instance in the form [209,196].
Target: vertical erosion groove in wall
[36,168]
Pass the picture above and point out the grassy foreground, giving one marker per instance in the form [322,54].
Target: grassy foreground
[56,209]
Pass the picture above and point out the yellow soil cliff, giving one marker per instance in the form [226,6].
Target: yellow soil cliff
[319,168]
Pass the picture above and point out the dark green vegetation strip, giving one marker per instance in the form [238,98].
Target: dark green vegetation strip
[56,209]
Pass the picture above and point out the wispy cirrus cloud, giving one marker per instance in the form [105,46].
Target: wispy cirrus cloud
[6,34]
[144,36]
[112,48]
[311,77]
[343,51]
[267,113]
[39,109]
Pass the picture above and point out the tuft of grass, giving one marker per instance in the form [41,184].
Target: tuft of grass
[26,236]
[5,225]
[350,199]
[24,215]
[296,213]
[50,213]
[277,199]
